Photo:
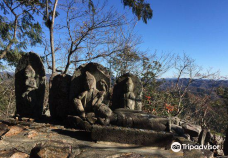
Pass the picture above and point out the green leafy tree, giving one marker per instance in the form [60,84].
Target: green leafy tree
[140,8]
[18,28]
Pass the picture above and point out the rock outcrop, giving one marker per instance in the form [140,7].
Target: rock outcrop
[50,140]
[191,129]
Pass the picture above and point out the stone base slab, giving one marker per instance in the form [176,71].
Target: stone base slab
[131,136]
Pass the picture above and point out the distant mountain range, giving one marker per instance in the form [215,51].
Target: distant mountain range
[197,85]
[200,83]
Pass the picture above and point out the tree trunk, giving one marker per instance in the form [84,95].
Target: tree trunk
[51,29]
[6,50]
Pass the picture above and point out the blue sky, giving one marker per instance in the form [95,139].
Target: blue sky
[197,27]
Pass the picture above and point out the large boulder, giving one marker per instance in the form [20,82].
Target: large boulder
[119,92]
[59,96]
[78,82]
[218,140]
[30,81]
[191,129]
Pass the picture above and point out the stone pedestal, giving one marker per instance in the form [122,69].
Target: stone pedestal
[131,136]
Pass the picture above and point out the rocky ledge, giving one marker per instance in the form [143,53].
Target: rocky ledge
[28,138]
[24,138]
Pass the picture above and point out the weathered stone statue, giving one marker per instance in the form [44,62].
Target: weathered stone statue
[29,95]
[89,89]
[127,93]
[89,96]
[101,75]
[91,101]
[30,81]
[129,96]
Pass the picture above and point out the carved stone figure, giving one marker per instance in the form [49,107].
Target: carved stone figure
[129,96]
[100,73]
[91,100]
[89,89]
[29,95]
[127,93]
[30,81]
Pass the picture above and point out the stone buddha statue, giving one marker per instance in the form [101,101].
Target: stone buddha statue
[129,96]
[90,101]
[30,81]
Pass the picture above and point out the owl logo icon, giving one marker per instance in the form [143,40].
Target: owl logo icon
[175,147]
